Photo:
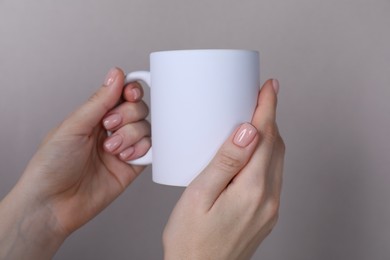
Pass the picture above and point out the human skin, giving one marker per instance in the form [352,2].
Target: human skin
[228,210]
[76,172]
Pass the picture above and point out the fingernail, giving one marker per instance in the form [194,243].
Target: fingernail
[245,135]
[275,84]
[112,121]
[136,93]
[113,142]
[111,76]
[125,155]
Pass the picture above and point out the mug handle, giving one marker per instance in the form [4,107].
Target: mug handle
[145,77]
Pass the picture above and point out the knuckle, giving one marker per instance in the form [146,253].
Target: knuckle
[97,98]
[272,209]
[275,219]
[95,95]
[281,145]
[145,143]
[145,109]
[272,221]
[129,132]
[270,132]
[143,129]
[256,198]
[138,110]
[132,109]
[146,128]
[228,161]
[142,125]
[136,131]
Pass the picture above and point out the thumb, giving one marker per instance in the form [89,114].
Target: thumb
[90,114]
[226,164]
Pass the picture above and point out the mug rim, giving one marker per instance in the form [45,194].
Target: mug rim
[204,50]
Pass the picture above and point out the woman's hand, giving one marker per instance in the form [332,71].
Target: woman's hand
[77,171]
[227,211]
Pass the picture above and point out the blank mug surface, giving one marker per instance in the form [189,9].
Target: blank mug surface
[198,98]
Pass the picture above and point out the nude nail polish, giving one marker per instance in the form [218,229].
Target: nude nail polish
[245,135]
[125,155]
[113,143]
[136,93]
[111,76]
[275,84]
[112,121]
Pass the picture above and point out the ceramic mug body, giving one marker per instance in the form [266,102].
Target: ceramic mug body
[198,97]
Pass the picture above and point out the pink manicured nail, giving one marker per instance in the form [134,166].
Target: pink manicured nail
[111,76]
[112,121]
[136,93]
[245,135]
[125,155]
[275,84]
[113,143]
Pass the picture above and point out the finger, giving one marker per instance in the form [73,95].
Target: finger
[266,104]
[255,172]
[125,173]
[126,137]
[124,114]
[91,113]
[140,148]
[136,151]
[133,92]
[276,169]
[229,160]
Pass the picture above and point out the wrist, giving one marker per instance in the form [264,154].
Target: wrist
[178,253]
[27,229]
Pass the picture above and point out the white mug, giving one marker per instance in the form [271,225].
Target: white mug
[198,97]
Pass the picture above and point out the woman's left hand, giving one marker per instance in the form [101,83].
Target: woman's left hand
[78,170]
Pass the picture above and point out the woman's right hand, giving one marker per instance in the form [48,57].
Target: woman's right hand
[228,210]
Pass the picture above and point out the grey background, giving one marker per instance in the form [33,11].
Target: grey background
[333,62]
